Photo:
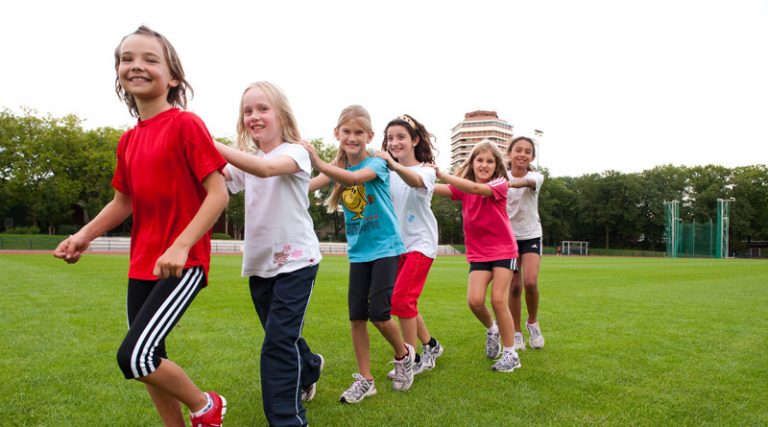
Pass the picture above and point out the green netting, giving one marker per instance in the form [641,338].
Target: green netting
[697,240]
[692,239]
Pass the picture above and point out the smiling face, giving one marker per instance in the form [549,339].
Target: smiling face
[259,119]
[521,154]
[143,69]
[353,137]
[483,166]
[400,144]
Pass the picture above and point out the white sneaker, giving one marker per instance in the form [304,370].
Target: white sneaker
[403,379]
[519,341]
[509,362]
[492,344]
[309,393]
[359,390]
[435,351]
[426,362]
[536,339]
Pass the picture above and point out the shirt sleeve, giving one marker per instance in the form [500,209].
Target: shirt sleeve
[429,177]
[499,188]
[237,183]
[119,180]
[300,156]
[201,155]
[539,178]
[456,194]
[379,167]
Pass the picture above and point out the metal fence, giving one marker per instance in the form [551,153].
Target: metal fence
[123,245]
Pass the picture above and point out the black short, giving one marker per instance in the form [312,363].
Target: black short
[510,264]
[529,246]
[370,289]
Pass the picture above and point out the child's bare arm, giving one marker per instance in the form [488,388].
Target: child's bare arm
[112,215]
[261,167]
[465,185]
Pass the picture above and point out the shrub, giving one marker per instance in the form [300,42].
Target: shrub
[22,230]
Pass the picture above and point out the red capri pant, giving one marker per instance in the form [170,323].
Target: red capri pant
[412,270]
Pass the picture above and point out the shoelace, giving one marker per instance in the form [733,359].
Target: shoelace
[358,387]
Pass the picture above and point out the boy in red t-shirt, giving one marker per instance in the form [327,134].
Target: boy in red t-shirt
[169,177]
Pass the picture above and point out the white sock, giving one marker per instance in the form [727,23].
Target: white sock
[206,407]
[510,350]
[494,329]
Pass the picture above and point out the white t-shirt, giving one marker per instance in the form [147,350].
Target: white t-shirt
[418,226]
[279,233]
[523,208]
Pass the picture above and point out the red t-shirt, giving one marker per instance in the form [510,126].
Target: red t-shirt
[487,233]
[161,163]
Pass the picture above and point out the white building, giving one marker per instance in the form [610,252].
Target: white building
[477,126]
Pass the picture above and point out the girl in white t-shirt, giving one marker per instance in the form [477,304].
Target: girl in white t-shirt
[523,211]
[407,148]
[281,253]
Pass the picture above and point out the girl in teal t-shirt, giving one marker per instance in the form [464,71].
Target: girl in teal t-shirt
[374,246]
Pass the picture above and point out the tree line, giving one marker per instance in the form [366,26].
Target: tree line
[55,175]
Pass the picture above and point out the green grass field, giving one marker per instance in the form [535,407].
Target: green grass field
[630,341]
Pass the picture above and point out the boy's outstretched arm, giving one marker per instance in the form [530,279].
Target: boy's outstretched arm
[112,215]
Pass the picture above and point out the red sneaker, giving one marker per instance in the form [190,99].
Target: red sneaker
[213,417]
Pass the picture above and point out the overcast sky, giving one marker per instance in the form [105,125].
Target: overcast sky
[614,85]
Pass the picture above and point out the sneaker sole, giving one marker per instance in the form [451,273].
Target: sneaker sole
[342,400]
[506,371]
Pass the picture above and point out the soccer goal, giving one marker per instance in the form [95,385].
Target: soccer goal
[572,247]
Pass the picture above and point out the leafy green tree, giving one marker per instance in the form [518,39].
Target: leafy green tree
[52,167]
[449,220]
[660,184]
[748,219]
[557,202]
[320,216]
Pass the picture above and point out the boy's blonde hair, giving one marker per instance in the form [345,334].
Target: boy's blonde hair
[485,146]
[359,114]
[177,96]
[289,129]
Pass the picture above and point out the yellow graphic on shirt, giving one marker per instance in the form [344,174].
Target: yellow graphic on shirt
[353,199]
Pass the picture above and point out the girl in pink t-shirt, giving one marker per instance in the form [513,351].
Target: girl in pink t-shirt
[491,249]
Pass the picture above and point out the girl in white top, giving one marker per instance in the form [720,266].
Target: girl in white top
[523,211]
[281,253]
[407,148]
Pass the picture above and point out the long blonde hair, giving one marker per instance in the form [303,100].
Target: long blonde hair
[467,172]
[289,129]
[353,112]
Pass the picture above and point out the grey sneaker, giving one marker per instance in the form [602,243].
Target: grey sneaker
[404,371]
[519,341]
[435,351]
[359,390]
[426,363]
[309,393]
[509,362]
[536,339]
[492,344]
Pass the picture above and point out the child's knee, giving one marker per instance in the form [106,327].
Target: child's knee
[125,362]
[499,302]
[476,303]
[531,285]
